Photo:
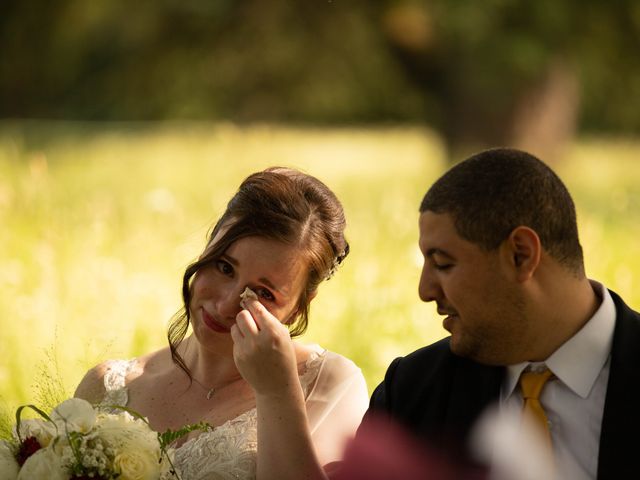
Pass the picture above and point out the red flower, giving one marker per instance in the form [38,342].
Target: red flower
[28,447]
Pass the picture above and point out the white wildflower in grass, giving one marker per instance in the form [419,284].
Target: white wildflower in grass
[8,464]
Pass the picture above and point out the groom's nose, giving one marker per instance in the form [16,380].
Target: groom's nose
[429,288]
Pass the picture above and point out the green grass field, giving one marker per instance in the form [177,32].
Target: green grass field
[98,223]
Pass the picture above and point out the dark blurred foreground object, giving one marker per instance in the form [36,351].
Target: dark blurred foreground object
[383,450]
[509,446]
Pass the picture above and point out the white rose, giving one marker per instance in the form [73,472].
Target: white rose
[8,464]
[137,465]
[122,429]
[136,445]
[116,421]
[74,414]
[43,430]
[43,464]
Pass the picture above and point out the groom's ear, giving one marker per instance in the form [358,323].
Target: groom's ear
[522,250]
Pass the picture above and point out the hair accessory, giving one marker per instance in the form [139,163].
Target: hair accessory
[336,262]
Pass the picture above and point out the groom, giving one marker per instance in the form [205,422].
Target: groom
[504,265]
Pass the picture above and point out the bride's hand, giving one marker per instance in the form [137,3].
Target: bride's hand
[263,351]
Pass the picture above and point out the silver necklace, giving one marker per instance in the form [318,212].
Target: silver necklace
[216,388]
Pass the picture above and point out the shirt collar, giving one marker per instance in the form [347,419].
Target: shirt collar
[578,362]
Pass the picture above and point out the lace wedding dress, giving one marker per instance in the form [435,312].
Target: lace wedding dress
[336,399]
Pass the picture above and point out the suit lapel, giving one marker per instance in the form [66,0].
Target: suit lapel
[621,418]
[474,388]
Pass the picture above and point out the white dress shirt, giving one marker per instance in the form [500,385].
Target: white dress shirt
[573,399]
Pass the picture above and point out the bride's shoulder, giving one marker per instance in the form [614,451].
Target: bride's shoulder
[91,387]
[113,373]
[313,351]
[325,360]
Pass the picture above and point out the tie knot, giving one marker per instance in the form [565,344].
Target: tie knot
[531,383]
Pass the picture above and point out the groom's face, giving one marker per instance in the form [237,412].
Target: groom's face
[472,289]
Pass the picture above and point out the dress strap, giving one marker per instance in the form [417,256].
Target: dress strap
[116,392]
[311,369]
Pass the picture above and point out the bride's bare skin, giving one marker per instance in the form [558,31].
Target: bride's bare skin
[281,236]
[163,393]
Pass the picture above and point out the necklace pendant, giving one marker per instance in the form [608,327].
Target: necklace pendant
[211,392]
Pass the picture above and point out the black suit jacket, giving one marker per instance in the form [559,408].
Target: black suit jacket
[439,396]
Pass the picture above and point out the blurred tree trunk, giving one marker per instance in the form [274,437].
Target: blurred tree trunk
[541,119]
[545,115]
[477,93]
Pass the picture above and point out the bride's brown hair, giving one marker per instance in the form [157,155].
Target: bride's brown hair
[281,204]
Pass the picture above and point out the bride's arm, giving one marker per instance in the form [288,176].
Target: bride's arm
[285,447]
[265,356]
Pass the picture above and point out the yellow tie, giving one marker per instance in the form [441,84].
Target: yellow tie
[531,384]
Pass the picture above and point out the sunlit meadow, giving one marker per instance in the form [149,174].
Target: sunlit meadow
[99,221]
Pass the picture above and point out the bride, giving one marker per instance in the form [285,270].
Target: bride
[270,401]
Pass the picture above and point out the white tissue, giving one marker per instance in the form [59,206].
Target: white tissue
[247,294]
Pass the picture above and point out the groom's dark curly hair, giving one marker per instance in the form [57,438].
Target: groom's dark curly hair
[497,190]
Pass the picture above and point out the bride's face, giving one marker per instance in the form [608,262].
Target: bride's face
[275,271]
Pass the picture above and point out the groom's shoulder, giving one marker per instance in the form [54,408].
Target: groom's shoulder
[439,349]
[432,357]
[434,366]
[420,368]
[623,310]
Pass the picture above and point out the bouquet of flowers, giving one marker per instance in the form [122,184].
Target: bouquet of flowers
[77,441]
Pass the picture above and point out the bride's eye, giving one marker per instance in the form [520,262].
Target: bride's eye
[266,294]
[224,267]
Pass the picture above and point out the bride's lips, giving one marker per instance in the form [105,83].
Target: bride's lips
[210,322]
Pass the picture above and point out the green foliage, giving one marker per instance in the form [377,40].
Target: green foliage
[198,59]
[330,61]
[49,389]
[19,411]
[169,436]
[99,222]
